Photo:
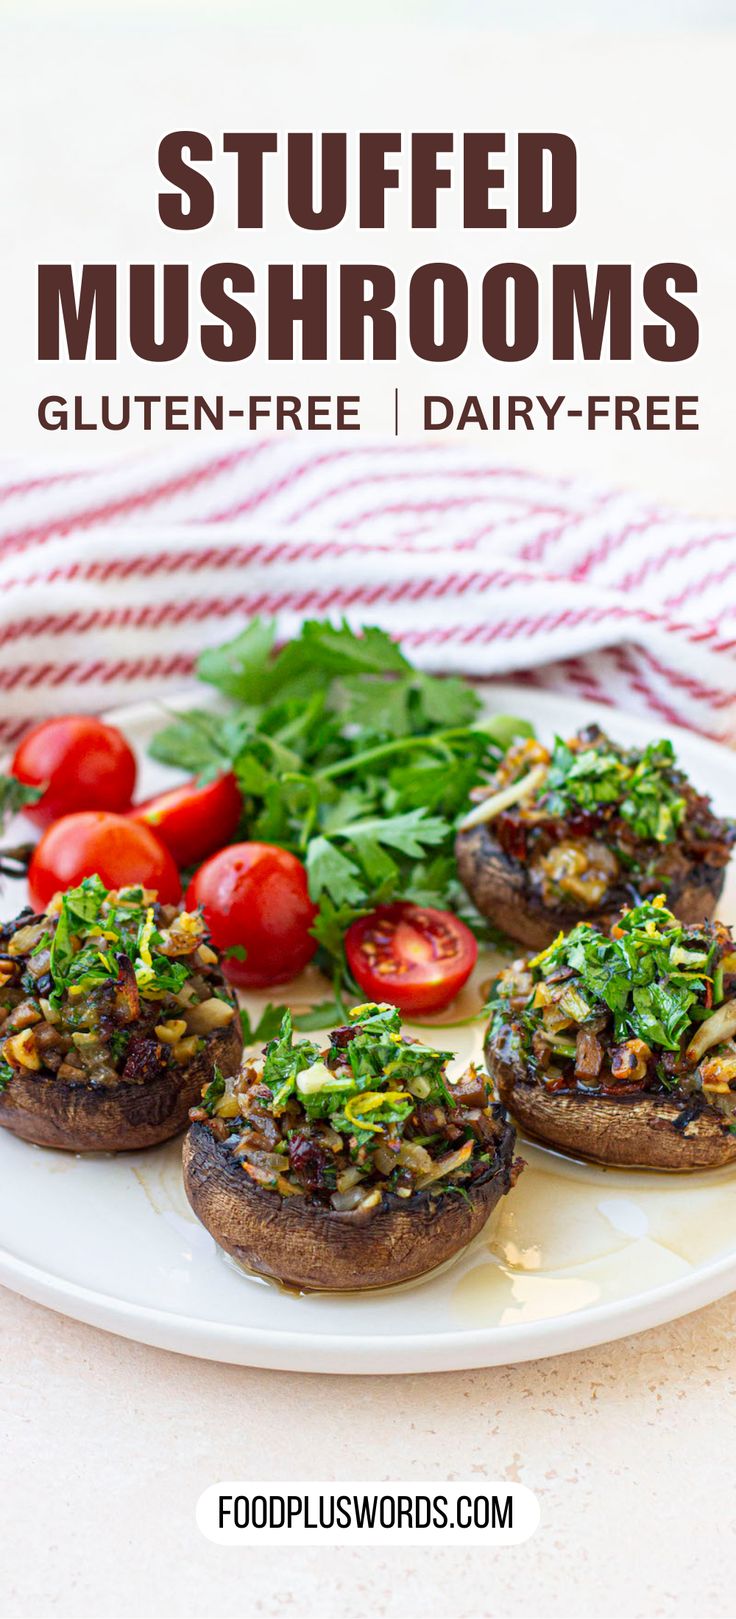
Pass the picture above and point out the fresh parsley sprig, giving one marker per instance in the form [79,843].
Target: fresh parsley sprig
[348,756]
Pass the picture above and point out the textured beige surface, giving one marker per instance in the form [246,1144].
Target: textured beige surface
[105,1446]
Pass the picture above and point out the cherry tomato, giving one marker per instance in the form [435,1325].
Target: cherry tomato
[415,957]
[83,763]
[256,896]
[120,852]
[193,820]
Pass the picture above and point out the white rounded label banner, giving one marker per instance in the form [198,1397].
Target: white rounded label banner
[244,1513]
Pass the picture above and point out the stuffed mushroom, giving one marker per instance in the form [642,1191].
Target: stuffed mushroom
[577,831]
[621,1047]
[113,1013]
[356,1166]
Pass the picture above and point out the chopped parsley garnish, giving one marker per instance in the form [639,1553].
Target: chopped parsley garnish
[371,1114]
[646,787]
[94,933]
[652,974]
[215,1090]
[377,1082]
[284,1061]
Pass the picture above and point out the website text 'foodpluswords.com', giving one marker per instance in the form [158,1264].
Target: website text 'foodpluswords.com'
[244,1513]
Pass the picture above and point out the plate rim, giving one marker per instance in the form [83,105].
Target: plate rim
[351,1353]
[457,1350]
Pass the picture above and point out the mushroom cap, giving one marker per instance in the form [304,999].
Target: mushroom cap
[509,893]
[118,1118]
[303,1244]
[643,1131]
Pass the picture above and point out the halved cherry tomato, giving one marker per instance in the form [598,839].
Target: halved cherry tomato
[411,955]
[193,820]
[84,763]
[255,896]
[120,852]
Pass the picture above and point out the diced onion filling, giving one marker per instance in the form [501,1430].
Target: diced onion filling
[372,1116]
[107,986]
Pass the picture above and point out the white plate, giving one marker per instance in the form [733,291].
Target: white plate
[574,1256]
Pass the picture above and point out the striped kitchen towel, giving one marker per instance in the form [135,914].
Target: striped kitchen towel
[112,579]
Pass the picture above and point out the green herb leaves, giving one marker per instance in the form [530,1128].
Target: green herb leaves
[284,1061]
[650,974]
[94,938]
[372,1081]
[349,881]
[410,833]
[14,795]
[270,1021]
[245,670]
[646,787]
[349,757]
[331,872]
[587,778]
[214,1092]
[80,908]
[654,807]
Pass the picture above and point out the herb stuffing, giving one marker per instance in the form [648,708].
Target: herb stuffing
[106,986]
[372,1115]
[597,824]
[644,787]
[649,1007]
